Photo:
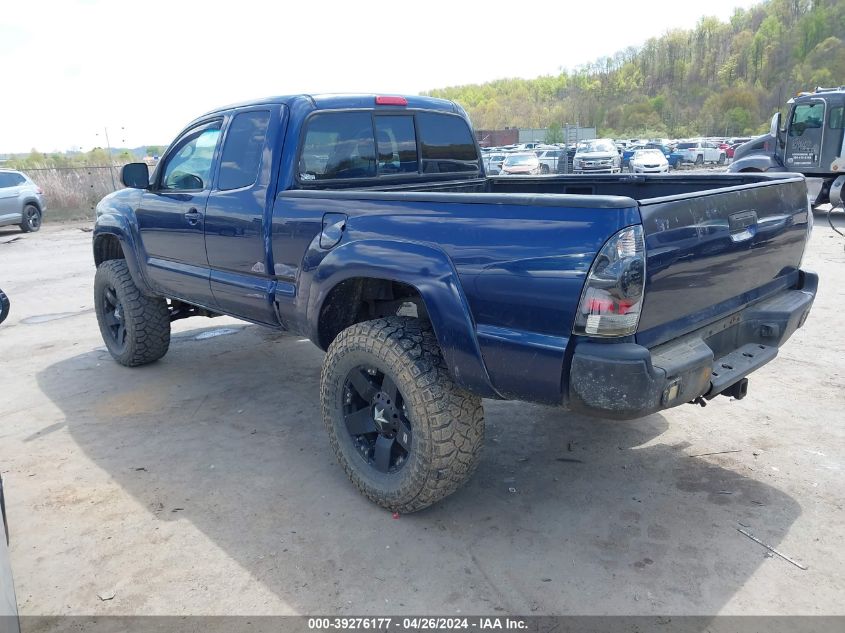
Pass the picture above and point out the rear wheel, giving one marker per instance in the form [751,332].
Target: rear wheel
[544,169]
[721,159]
[699,160]
[31,219]
[404,432]
[135,327]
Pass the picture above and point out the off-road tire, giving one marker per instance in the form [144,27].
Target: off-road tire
[31,219]
[5,305]
[447,422]
[146,319]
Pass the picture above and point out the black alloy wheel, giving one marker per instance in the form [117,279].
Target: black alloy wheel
[377,419]
[31,219]
[114,318]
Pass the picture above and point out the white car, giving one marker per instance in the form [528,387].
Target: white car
[549,159]
[493,162]
[523,163]
[700,152]
[648,161]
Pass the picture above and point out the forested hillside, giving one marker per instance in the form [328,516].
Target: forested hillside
[719,78]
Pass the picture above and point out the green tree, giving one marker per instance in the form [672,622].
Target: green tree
[554,133]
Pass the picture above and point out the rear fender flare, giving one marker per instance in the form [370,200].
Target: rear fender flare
[425,268]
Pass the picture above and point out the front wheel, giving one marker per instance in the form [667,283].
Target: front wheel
[5,305]
[404,432]
[31,219]
[135,327]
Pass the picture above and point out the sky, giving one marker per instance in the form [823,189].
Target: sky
[74,69]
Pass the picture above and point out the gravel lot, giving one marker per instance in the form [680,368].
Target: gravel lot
[204,484]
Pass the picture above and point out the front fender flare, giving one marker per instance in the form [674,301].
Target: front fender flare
[429,270]
[118,225]
[755,162]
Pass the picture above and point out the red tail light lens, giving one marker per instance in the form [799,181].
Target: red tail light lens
[394,101]
[613,291]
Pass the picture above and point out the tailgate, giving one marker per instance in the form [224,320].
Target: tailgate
[712,253]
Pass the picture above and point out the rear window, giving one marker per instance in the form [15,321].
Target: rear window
[343,145]
[397,145]
[521,159]
[338,145]
[687,145]
[447,144]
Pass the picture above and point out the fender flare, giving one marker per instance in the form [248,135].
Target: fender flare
[117,225]
[430,271]
[755,162]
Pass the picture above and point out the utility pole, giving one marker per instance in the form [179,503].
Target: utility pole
[111,167]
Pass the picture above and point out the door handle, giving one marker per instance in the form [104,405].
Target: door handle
[193,216]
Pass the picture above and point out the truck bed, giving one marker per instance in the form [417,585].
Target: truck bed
[521,247]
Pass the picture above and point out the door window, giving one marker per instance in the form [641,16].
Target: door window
[241,155]
[188,167]
[806,116]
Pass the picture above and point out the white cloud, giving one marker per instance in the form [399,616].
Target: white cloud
[144,69]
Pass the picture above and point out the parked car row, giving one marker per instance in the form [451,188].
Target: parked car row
[611,155]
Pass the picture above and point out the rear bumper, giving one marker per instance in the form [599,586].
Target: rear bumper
[627,380]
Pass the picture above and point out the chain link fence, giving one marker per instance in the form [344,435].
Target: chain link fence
[72,193]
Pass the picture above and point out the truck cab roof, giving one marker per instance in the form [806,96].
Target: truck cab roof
[333,101]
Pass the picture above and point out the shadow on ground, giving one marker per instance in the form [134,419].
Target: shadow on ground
[565,515]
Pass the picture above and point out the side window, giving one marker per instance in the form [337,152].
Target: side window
[804,116]
[242,150]
[836,120]
[447,144]
[338,145]
[10,179]
[397,145]
[188,167]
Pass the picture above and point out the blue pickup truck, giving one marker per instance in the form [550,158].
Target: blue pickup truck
[367,224]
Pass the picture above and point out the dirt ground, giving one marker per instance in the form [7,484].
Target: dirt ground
[204,483]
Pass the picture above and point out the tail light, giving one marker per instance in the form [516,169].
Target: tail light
[613,292]
[391,100]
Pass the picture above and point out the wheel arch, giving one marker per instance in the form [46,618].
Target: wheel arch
[352,275]
[112,239]
[33,201]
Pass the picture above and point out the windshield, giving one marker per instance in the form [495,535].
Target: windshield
[598,146]
[521,159]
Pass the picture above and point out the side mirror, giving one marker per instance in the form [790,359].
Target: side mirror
[135,176]
[774,129]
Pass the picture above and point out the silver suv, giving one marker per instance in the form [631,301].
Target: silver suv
[21,201]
